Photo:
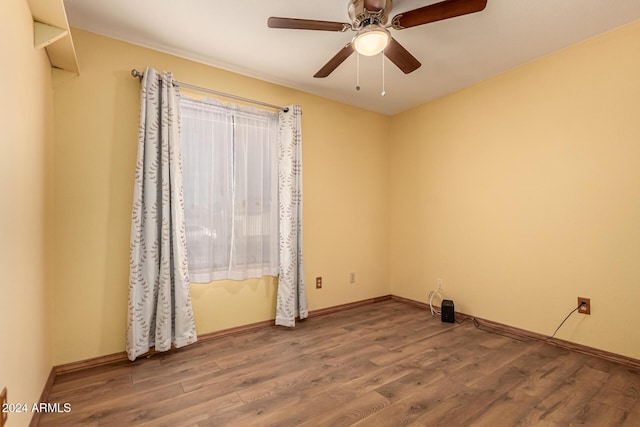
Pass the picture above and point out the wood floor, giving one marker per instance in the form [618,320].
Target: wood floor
[386,364]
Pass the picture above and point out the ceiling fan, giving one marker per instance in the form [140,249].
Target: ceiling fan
[369,19]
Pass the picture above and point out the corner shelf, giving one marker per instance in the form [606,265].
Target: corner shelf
[51,32]
[44,34]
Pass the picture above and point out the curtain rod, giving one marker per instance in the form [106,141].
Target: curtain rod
[139,75]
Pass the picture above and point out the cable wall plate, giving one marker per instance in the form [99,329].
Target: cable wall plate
[587,308]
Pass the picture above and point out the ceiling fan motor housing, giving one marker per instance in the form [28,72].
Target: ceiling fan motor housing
[377,13]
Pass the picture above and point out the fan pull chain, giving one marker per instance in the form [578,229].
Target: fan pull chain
[357,71]
[383,91]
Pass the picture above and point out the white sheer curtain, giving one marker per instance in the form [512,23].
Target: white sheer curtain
[160,312]
[231,190]
[292,294]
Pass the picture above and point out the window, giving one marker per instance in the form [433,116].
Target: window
[230,185]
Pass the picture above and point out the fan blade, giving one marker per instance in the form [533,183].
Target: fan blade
[374,5]
[401,57]
[437,12]
[333,63]
[306,24]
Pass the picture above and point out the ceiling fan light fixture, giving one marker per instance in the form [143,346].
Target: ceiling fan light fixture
[371,40]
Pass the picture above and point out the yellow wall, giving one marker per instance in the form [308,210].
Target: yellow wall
[346,206]
[523,193]
[26,117]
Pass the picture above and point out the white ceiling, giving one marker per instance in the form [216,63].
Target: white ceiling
[233,35]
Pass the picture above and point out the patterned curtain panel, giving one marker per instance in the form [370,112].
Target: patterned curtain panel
[160,313]
[292,296]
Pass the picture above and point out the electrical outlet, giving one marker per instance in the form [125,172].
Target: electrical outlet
[586,308]
[319,282]
[352,277]
[3,401]
[439,281]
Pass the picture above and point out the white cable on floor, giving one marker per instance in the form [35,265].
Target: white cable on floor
[435,311]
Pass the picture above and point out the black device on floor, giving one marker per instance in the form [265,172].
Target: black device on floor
[448,312]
